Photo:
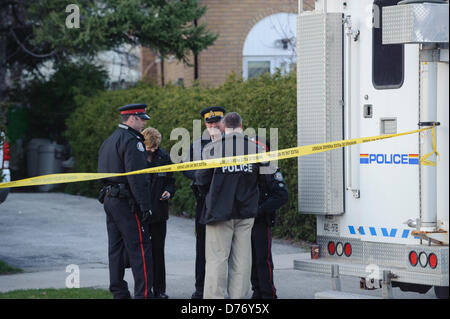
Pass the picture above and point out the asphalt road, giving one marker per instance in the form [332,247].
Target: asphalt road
[43,233]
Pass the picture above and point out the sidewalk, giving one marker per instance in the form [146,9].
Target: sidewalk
[63,229]
[43,233]
[180,277]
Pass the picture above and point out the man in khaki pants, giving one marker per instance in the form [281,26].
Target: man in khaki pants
[228,259]
[231,205]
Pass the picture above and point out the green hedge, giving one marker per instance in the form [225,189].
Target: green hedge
[266,102]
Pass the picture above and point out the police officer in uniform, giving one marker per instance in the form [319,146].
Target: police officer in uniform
[127,204]
[273,194]
[212,116]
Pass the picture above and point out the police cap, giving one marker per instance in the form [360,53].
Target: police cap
[212,113]
[135,109]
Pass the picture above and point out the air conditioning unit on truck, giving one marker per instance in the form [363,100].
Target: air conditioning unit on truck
[368,68]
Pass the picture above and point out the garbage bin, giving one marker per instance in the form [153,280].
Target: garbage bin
[50,158]
[33,156]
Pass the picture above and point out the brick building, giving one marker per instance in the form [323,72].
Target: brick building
[255,36]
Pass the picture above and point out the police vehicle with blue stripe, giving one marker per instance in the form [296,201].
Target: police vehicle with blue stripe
[367,68]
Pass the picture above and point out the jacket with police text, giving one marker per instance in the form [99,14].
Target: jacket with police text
[231,191]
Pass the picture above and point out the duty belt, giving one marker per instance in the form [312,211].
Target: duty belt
[117,190]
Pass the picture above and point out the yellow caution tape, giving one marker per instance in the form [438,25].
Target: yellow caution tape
[424,159]
[210,163]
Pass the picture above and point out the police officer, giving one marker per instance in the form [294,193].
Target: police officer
[127,203]
[273,194]
[162,186]
[212,116]
[231,204]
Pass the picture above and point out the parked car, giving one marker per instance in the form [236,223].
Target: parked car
[5,174]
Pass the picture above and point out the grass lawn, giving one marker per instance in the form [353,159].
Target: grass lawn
[6,269]
[50,293]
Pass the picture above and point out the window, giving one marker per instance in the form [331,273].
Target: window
[257,68]
[270,45]
[387,59]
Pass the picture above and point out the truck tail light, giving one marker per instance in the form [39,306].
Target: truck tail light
[331,248]
[432,260]
[347,249]
[413,258]
[423,259]
[339,249]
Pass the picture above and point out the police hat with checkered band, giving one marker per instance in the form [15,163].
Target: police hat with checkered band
[135,109]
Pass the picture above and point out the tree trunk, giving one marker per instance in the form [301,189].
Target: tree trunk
[3,85]
[3,73]
[162,71]
[195,58]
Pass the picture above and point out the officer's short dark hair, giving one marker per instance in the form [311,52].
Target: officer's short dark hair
[232,120]
[125,117]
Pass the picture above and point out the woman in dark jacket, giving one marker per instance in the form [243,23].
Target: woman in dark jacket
[162,189]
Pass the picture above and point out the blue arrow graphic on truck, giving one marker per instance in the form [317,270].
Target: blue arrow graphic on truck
[383,231]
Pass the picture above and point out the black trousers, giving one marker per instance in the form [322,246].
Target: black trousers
[262,264]
[200,259]
[126,236]
[158,233]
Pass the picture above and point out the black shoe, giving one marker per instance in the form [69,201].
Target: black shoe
[161,295]
[197,295]
[256,295]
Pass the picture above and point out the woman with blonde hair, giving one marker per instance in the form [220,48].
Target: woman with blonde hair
[162,189]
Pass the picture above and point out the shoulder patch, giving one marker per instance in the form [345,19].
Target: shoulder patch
[140,146]
[278,176]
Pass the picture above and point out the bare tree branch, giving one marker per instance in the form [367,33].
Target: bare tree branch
[22,46]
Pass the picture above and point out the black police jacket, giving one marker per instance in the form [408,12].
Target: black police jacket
[124,151]
[159,183]
[231,191]
[273,194]
[195,154]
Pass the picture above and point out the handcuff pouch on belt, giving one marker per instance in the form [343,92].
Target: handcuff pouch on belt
[114,190]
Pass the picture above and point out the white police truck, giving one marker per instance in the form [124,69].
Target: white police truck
[368,68]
